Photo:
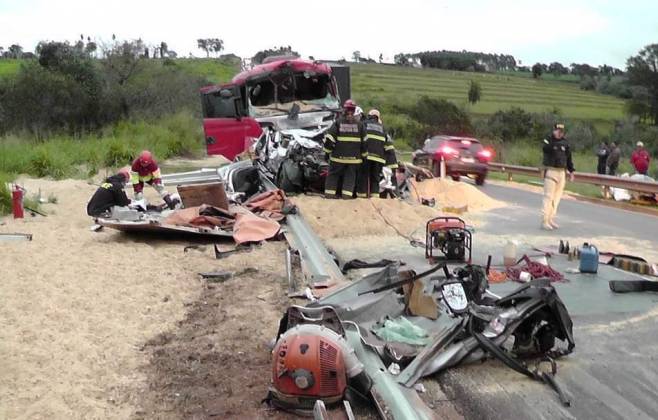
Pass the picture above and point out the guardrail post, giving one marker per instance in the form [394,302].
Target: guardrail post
[509,176]
[606,191]
[442,169]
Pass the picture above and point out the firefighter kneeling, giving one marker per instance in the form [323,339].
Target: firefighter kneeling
[344,144]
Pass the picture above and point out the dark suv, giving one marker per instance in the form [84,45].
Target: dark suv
[462,155]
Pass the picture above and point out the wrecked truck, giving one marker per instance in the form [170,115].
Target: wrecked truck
[279,110]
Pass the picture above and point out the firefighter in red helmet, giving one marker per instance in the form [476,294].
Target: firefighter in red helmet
[146,170]
[343,142]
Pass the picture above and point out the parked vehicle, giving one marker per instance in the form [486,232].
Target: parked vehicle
[463,156]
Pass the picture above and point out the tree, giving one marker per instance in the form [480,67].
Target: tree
[202,44]
[91,48]
[642,70]
[474,92]
[356,56]
[537,71]
[164,49]
[210,45]
[381,57]
[216,45]
[557,69]
[280,51]
[15,51]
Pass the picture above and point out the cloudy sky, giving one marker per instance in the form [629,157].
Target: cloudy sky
[596,32]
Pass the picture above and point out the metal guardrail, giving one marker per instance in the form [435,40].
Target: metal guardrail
[605,181]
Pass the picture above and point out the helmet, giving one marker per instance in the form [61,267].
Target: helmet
[639,144]
[349,104]
[145,158]
[375,113]
[358,111]
[125,171]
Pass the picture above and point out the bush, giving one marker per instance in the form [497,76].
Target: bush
[47,161]
[118,153]
[5,194]
[588,83]
[438,116]
[509,125]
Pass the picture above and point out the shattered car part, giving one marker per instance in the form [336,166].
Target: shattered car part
[15,237]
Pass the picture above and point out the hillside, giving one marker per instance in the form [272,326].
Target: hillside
[373,83]
[379,85]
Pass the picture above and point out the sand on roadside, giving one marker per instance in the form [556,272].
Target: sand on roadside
[77,307]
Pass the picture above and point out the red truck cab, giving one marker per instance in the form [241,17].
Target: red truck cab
[276,92]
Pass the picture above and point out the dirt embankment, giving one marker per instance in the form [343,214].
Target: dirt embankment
[77,309]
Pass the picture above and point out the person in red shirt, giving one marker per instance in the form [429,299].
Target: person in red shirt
[640,159]
[145,170]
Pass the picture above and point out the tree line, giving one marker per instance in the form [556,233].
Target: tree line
[81,87]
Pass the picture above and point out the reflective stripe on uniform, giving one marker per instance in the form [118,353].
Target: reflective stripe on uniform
[362,195]
[349,139]
[393,166]
[326,150]
[329,137]
[376,159]
[348,193]
[389,147]
[375,137]
[106,185]
[345,160]
[330,192]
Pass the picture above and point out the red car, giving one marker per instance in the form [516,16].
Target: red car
[463,156]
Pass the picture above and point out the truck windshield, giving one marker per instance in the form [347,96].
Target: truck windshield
[278,94]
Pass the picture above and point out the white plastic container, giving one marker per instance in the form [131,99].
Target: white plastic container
[509,254]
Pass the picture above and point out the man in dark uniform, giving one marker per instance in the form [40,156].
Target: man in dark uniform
[374,157]
[111,193]
[557,162]
[344,144]
[602,154]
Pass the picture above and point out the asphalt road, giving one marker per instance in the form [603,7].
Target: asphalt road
[576,218]
[613,373]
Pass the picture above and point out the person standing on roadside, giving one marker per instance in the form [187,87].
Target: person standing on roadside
[602,154]
[557,162]
[613,159]
[640,159]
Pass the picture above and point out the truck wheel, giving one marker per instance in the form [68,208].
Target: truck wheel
[455,178]
[479,180]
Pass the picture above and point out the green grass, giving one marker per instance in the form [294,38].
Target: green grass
[214,70]
[380,85]
[9,67]
[62,156]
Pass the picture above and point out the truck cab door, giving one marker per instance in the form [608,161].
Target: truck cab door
[228,129]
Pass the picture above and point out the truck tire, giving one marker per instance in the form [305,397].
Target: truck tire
[479,180]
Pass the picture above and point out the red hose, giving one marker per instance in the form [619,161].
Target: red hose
[535,269]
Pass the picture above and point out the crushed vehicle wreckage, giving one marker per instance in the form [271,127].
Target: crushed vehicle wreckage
[281,110]
[530,323]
